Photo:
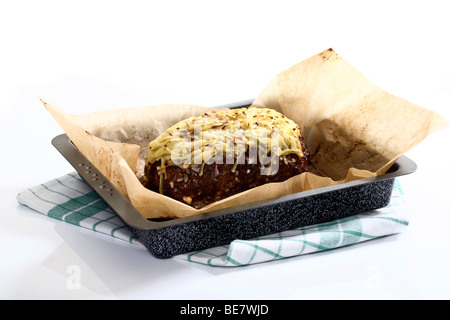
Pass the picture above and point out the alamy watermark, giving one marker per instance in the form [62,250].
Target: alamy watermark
[230,146]
[74,279]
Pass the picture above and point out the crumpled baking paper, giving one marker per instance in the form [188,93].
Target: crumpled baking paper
[352,128]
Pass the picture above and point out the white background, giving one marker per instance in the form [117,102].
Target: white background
[85,56]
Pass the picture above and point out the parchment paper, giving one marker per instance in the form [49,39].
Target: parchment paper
[352,128]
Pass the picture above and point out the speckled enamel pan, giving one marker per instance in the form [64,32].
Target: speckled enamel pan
[166,238]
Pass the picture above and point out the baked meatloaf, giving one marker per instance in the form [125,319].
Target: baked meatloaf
[207,158]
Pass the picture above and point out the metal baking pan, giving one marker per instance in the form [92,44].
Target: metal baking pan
[166,238]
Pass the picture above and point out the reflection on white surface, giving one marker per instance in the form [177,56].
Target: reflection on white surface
[105,265]
[78,274]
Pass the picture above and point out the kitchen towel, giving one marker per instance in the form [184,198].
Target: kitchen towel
[70,199]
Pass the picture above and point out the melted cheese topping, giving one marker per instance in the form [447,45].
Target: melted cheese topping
[228,134]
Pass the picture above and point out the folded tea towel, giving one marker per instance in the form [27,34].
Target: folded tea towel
[70,199]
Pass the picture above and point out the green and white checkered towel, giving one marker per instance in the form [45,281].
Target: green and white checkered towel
[70,199]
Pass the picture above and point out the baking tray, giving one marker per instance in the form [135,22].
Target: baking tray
[165,238]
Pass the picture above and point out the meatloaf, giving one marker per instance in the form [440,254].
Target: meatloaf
[207,158]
